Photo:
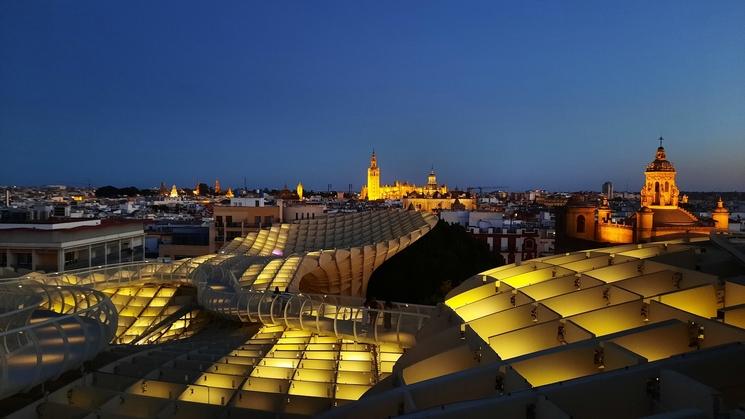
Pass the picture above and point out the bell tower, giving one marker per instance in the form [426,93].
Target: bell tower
[373,179]
[660,190]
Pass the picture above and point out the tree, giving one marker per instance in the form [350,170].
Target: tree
[204,189]
[427,270]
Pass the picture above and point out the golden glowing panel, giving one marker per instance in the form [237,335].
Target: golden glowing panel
[511,319]
[472,295]
[142,307]
[588,299]
[621,271]
[613,319]
[701,301]
[569,364]
[659,342]
[558,286]
[490,305]
[536,276]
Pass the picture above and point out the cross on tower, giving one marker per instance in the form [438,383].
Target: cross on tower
[661,141]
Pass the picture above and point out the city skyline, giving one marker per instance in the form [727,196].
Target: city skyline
[560,97]
[354,187]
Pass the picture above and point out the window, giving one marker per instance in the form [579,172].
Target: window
[126,251]
[77,258]
[98,255]
[23,260]
[112,252]
[580,224]
[656,193]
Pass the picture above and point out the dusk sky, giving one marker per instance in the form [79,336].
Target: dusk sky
[555,95]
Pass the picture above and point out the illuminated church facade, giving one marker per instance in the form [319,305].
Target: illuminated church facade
[373,190]
[659,217]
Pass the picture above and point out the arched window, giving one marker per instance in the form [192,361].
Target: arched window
[667,187]
[580,224]
[656,193]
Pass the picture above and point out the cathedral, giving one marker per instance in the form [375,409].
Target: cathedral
[659,218]
[399,190]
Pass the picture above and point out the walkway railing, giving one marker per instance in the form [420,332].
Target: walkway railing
[325,314]
[221,292]
[78,323]
[50,324]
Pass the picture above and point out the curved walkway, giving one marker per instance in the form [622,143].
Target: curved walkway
[50,324]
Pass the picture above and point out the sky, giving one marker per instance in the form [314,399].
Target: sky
[558,95]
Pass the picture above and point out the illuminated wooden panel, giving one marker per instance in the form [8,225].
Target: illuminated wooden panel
[701,301]
[316,375]
[354,366]
[658,342]
[652,250]
[327,355]
[318,364]
[588,299]
[511,319]
[221,380]
[355,356]
[446,362]
[560,260]
[513,271]
[208,395]
[571,363]
[355,377]
[311,389]
[734,292]
[273,361]
[536,276]
[267,385]
[536,338]
[612,319]
[492,305]
[350,391]
[596,261]
[621,271]
[264,401]
[475,294]
[156,388]
[735,317]
[559,286]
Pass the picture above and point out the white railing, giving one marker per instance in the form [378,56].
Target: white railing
[36,351]
[324,314]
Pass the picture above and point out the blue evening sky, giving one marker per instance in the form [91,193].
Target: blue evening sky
[562,95]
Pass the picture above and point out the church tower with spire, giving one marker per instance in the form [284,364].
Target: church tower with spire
[373,179]
[660,190]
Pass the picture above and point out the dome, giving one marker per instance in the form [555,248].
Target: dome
[660,163]
[720,207]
